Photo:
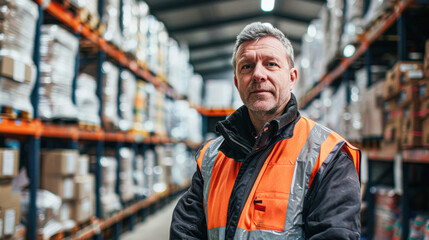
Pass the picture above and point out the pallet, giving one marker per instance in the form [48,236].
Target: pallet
[92,127]
[13,113]
[370,143]
[79,227]
[91,20]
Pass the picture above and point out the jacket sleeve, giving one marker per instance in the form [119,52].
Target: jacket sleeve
[334,202]
[189,220]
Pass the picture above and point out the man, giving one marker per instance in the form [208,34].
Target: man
[271,174]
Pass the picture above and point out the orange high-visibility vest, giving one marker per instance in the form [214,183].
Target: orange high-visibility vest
[273,209]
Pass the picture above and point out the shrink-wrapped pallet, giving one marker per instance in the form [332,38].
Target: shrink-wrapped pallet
[130,18]
[111,19]
[58,49]
[87,101]
[110,96]
[17,29]
[127,100]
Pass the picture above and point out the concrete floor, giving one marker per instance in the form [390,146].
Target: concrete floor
[155,227]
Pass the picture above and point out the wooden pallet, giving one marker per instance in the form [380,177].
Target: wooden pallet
[89,126]
[13,113]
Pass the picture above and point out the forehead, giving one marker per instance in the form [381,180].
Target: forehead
[264,46]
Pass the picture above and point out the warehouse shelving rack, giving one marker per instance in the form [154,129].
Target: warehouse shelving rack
[402,160]
[33,132]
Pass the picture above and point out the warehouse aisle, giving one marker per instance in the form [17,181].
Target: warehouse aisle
[155,227]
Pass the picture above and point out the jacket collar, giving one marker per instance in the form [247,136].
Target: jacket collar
[239,132]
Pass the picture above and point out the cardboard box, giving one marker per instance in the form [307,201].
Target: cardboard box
[411,132]
[404,72]
[84,186]
[408,94]
[5,190]
[83,165]
[424,109]
[59,162]
[82,210]
[10,214]
[392,135]
[65,212]
[8,162]
[424,89]
[16,70]
[59,185]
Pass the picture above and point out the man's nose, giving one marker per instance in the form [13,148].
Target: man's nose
[259,73]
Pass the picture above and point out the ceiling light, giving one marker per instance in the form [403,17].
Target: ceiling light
[267,5]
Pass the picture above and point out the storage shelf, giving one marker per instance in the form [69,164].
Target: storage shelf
[74,22]
[409,155]
[367,39]
[98,225]
[20,127]
[51,130]
[215,112]
[416,155]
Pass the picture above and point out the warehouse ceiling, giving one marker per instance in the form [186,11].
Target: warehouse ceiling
[209,27]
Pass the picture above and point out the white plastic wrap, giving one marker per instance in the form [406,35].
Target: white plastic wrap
[127,100]
[87,101]
[110,94]
[17,27]
[111,19]
[58,49]
[153,47]
[17,43]
[48,207]
[353,22]
[195,90]
[126,184]
[130,13]
[142,33]
[163,43]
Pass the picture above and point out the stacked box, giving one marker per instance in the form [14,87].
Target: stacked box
[126,100]
[138,176]
[65,173]
[154,26]
[218,94]
[386,212]
[10,207]
[149,164]
[17,70]
[57,69]
[402,105]
[160,114]
[87,101]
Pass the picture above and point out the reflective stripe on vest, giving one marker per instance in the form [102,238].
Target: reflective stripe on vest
[274,206]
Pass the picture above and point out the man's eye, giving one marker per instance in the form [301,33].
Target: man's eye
[272,64]
[245,67]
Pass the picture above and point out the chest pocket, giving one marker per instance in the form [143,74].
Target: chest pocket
[270,210]
[271,197]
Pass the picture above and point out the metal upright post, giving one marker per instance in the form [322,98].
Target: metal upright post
[100,146]
[33,163]
[368,67]
[402,42]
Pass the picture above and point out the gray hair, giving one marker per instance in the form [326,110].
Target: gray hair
[257,30]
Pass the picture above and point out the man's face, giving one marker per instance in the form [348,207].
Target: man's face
[263,76]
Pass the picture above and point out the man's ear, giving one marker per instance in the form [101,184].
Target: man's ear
[293,77]
[235,82]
